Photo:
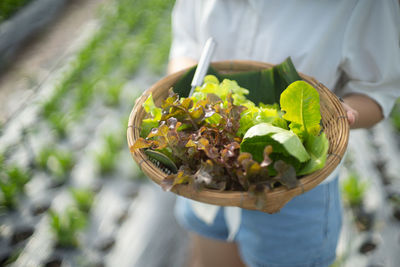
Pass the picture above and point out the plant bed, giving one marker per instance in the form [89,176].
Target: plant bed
[375,197]
[92,95]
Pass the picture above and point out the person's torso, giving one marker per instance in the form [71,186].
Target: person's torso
[310,32]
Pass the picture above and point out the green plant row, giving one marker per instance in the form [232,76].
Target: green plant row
[57,162]
[66,225]
[131,32]
[12,184]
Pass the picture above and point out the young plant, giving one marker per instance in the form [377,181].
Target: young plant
[17,176]
[9,195]
[107,157]
[113,93]
[395,116]
[49,107]
[57,162]
[66,226]
[353,193]
[83,198]
[84,94]
[353,190]
[12,182]
[59,123]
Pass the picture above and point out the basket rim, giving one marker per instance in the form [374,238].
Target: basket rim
[306,182]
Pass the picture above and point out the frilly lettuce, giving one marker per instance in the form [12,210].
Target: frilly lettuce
[291,130]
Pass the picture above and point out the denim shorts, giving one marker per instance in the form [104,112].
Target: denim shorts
[303,234]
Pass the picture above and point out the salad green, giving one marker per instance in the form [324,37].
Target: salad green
[220,139]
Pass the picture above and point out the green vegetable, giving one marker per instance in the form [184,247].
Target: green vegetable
[218,138]
[353,190]
[155,116]
[281,140]
[83,198]
[66,226]
[18,176]
[300,102]
[9,194]
[106,157]
[12,182]
[317,147]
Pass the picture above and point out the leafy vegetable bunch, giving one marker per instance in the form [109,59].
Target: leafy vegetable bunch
[221,140]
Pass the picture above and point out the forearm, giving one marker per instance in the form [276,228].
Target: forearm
[367,111]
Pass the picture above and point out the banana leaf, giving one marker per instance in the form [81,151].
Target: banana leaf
[264,85]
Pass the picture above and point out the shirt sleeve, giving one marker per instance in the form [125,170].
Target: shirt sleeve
[371,52]
[184,39]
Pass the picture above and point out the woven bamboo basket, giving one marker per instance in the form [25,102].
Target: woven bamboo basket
[334,122]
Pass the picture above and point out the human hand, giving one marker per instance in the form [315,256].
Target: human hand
[352,114]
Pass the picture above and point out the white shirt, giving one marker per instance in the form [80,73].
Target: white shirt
[329,40]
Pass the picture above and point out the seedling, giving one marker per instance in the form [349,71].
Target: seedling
[66,226]
[353,193]
[84,94]
[57,162]
[49,107]
[9,194]
[106,158]
[12,182]
[395,116]
[354,190]
[17,176]
[113,93]
[83,198]
[52,105]
[59,122]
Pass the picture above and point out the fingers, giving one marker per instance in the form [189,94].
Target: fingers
[351,117]
[352,114]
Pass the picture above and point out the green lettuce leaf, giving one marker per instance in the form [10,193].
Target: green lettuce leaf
[147,125]
[263,134]
[151,108]
[317,147]
[253,116]
[300,102]
[212,85]
[154,116]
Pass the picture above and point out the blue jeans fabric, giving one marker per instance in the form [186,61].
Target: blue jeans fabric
[303,234]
